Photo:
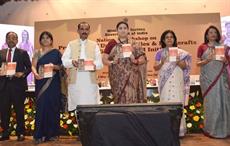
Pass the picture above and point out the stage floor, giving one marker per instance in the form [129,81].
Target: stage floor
[189,140]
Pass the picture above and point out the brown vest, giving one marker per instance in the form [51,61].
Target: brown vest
[75,46]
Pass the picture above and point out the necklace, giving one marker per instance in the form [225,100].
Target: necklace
[123,42]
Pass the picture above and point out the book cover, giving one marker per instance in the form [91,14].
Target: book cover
[11,68]
[46,71]
[126,50]
[219,52]
[89,65]
[173,53]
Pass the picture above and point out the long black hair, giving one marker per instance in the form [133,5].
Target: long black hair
[206,33]
[122,22]
[45,33]
[163,45]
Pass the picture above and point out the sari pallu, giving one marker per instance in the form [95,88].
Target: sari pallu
[216,94]
[127,80]
[227,55]
[48,99]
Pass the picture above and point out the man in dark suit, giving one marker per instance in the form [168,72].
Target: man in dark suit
[13,87]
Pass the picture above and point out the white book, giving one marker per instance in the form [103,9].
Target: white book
[89,65]
[173,53]
[46,71]
[219,52]
[11,68]
[126,50]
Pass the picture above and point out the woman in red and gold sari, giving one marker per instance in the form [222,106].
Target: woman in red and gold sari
[127,70]
[214,86]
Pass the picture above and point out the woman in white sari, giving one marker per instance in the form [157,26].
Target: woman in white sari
[173,76]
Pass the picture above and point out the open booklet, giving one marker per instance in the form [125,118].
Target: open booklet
[46,71]
[219,52]
[8,69]
[86,65]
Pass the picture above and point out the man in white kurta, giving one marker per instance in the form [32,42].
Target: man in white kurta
[82,90]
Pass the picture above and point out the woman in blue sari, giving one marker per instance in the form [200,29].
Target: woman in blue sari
[214,86]
[174,80]
[47,91]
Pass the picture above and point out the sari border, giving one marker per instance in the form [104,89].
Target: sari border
[214,82]
[166,78]
[45,87]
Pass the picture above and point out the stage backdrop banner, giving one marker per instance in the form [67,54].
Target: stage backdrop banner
[189,29]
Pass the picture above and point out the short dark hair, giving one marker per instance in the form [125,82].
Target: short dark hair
[163,45]
[11,32]
[122,22]
[206,33]
[79,25]
[45,33]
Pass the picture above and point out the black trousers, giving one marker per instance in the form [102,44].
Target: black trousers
[12,95]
